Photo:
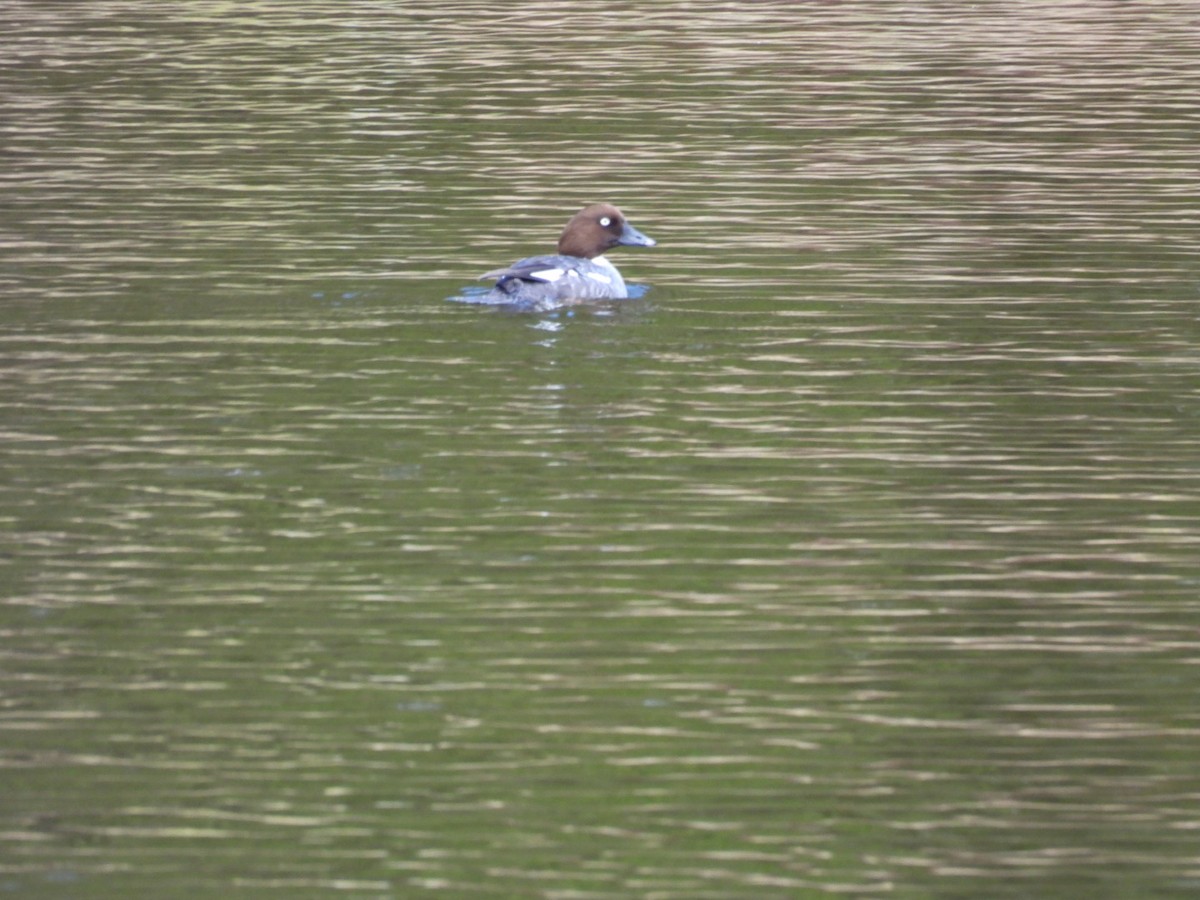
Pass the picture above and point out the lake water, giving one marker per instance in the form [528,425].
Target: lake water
[860,557]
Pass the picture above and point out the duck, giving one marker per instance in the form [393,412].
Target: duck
[578,272]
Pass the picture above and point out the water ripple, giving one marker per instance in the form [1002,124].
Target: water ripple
[867,535]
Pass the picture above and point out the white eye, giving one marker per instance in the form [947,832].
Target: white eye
[605,221]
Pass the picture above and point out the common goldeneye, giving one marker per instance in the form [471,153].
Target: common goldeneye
[577,272]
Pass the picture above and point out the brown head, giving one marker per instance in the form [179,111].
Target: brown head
[598,228]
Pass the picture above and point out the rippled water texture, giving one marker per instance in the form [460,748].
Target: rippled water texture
[859,557]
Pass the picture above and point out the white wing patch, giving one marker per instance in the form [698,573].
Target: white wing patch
[550,275]
[596,276]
